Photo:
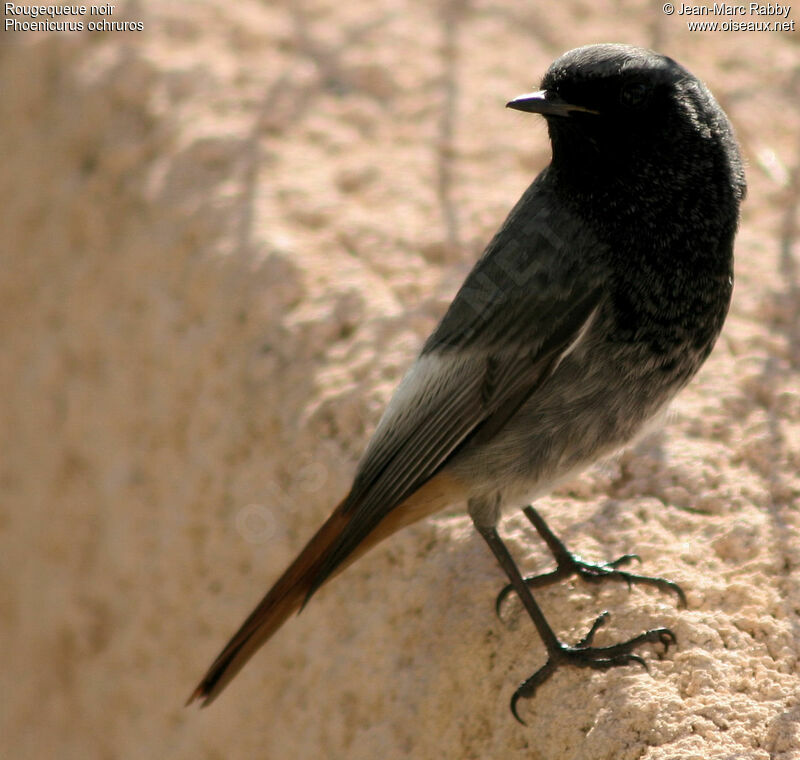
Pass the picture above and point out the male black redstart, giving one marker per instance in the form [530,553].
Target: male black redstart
[596,302]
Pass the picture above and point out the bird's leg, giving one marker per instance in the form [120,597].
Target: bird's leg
[582,654]
[568,564]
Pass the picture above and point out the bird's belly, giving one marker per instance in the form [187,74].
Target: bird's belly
[575,419]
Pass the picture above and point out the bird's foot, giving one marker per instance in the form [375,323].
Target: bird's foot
[594,572]
[583,655]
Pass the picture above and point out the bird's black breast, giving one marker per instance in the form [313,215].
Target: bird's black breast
[668,258]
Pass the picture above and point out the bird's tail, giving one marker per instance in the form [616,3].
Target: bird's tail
[311,569]
[285,597]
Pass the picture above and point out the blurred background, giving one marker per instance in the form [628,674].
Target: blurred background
[224,237]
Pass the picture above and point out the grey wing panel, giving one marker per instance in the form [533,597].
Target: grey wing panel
[444,399]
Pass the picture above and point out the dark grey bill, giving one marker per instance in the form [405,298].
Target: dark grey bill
[547,103]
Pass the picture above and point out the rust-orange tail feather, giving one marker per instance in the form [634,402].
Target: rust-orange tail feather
[310,569]
[285,597]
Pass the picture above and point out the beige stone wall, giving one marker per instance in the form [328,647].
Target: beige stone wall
[222,239]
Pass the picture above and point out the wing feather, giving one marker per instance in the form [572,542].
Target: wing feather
[445,398]
[529,300]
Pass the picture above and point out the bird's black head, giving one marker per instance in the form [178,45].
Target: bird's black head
[615,111]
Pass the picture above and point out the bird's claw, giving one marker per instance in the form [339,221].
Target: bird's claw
[594,572]
[583,655]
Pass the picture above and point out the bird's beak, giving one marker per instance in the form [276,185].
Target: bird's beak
[547,103]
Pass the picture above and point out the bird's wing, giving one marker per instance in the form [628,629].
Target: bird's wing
[526,304]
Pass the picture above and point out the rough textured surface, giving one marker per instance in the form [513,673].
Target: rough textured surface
[224,238]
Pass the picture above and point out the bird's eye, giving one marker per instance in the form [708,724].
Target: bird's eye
[633,95]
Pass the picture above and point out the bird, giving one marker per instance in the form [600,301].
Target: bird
[594,304]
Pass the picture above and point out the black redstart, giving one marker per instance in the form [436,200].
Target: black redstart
[595,303]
